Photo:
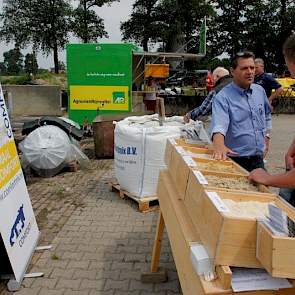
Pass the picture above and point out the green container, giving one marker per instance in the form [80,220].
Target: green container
[99,79]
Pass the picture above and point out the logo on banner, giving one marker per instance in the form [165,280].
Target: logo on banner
[118,97]
[5,117]
[18,226]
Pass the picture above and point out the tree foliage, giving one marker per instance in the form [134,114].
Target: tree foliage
[43,23]
[260,26]
[86,24]
[13,61]
[31,64]
[142,25]
[171,22]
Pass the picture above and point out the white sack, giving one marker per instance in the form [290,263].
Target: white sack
[139,152]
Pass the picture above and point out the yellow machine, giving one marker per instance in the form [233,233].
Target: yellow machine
[288,85]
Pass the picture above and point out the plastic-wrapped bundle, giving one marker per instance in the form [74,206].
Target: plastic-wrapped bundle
[47,150]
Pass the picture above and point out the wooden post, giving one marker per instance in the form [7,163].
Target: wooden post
[161,109]
[157,243]
[157,275]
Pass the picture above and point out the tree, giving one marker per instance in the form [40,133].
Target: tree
[142,25]
[227,29]
[2,69]
[43,23]
[172,22]
[86,24]
[61,66]
[260,26]
[31,65]
[13,61]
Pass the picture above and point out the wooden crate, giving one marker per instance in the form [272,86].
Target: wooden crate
[229,240]
[199,181]
[182,232]
[156,70]
[172,143]
[146,204]
[276,254]
[180,165]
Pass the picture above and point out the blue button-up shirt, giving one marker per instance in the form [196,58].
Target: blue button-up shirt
[242,116]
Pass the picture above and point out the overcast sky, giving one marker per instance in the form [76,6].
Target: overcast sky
[112,15]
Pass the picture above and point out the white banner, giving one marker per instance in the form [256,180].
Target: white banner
[18,226]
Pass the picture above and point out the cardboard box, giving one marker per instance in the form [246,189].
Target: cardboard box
[156,70]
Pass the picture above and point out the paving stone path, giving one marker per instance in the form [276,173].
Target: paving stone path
[101,243]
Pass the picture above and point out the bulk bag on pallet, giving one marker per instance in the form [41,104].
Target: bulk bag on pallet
[139,152]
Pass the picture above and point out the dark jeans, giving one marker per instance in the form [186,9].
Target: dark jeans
[250,163]
[288,194]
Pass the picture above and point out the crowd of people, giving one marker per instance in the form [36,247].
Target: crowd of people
[241,110]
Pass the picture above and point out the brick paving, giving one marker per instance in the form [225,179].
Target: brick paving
[101,243]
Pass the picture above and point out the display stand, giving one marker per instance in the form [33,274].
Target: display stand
[19,232]
[182,232]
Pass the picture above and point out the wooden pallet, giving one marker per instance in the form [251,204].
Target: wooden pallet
[145,204]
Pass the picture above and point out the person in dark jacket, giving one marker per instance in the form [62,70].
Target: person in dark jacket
[221,78]
[266,81]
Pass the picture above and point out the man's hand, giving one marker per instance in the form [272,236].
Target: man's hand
[220,151]
[259,176]
[267,141]
[186,118]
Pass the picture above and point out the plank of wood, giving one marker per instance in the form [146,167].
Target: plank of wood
[154,277]
[179,172]
[157,243]
[225,275]
[145,204]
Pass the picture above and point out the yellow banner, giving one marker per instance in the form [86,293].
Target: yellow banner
[9,162]
[108,98]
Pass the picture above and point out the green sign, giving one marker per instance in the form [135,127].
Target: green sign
[99,79]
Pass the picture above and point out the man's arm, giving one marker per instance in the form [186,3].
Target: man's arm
[290,156]
[219,126]
[268,125]
[274,84]
[204,109]
[278,180]
[275,94]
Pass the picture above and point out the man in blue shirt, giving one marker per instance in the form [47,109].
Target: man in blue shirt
[266,81]
[241,116]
